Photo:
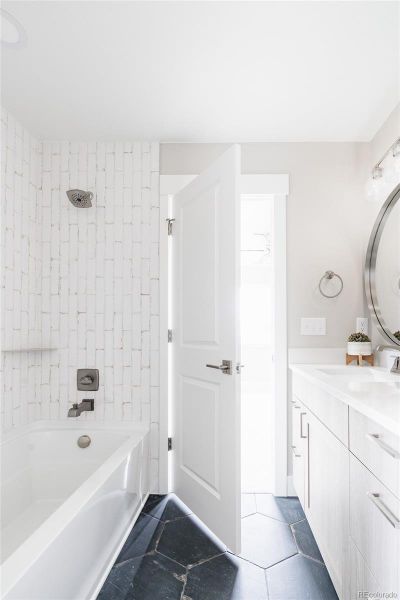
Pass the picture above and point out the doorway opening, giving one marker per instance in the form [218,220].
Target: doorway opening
[205,244]
[257,344]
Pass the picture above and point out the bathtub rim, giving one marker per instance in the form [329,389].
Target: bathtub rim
[18,563]
[70,425]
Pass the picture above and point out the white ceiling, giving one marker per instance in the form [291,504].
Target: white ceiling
[204,71]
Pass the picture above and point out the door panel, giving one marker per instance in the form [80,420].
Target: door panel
[205,295]
[327,498]
[200,456]
[199,269]
[361,578]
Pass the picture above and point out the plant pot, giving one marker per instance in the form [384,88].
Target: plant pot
[359,348]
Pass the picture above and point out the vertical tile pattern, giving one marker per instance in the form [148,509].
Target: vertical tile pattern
[99,289]
[20,273]
[82,281]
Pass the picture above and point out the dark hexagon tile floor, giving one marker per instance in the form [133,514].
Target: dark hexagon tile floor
[300,578]
[142,539]
[171,555]
[266,541]
[226,577]
[305,540]
[165,508]
[188,542]
[145,578]
[287,510]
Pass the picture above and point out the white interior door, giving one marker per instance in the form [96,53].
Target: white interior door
[205,326]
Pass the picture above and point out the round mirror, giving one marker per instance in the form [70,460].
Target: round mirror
[382,270]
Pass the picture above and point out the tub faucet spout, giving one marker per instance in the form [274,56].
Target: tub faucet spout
[77,409]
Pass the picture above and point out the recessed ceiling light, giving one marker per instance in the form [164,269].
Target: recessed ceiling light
[12,32]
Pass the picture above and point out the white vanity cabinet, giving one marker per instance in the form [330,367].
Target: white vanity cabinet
[327,499]
[346,472]
[375,502]
[320,478]
[375,527]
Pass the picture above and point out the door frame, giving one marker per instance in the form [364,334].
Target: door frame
[251,185]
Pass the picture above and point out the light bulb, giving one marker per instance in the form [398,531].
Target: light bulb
[372,188]
[396,149]
[391,175]
[396,160]
[377,172]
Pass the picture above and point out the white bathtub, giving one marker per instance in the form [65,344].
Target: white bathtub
[66,510]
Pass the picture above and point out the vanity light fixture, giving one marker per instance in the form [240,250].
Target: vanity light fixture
[396,149]
[384,178]
[377,171]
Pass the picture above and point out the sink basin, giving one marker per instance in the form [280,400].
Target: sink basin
[351,373]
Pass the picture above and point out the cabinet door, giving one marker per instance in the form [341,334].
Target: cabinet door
[298,448]
[375,526]
[361,578]
[327,499]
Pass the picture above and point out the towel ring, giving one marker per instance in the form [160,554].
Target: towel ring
[330,275]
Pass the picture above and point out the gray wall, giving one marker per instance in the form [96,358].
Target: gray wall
[324,223]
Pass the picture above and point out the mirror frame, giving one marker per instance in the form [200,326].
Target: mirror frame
[370,266]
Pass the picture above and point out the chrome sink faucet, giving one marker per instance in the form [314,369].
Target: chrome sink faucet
[396,364]
[381,347]
[77,409]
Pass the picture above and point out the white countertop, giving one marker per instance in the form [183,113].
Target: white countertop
[373,391]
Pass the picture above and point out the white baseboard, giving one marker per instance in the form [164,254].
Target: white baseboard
[290,488]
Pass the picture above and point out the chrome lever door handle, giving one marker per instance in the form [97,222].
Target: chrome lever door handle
[226,367]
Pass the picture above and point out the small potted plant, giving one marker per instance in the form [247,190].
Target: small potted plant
[359,344]
[397,335]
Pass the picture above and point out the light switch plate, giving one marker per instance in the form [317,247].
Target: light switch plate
[313,326]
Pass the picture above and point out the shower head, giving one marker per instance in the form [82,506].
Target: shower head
[79,198]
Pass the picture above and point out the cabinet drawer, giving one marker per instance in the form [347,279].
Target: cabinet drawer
[332,412]
[375,525]
[377,448]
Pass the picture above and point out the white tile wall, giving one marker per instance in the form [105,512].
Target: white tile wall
[20,273]
[99,282]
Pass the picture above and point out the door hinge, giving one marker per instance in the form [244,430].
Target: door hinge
[169,336]
[169,444]
[169,224]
